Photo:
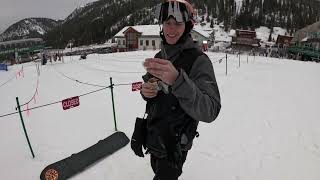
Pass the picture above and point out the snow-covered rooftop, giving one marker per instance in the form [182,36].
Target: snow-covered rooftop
[20,40]
[146,30]
[203,32]
[206,30]
[264,32]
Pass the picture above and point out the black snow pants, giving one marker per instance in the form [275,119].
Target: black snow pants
[164,170]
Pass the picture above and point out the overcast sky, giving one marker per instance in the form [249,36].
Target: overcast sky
[11,11]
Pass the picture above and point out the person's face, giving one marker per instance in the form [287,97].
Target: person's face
[173,30]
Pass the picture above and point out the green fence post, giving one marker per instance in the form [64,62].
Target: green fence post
[24,128]
[239,59]
[114,111]
[226,64]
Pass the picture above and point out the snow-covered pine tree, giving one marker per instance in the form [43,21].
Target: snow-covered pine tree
[211,38]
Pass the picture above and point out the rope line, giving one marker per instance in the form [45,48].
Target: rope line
[120,72]
[91,92]
[8,114]
[7,81]
[218,60]
[49,104]
[94,91]
[125,84]
[95,85]
[112,71]
[81,82]
[35,93]
[113,60]
[10,79]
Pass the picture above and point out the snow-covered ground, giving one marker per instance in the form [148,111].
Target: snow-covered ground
[268,127]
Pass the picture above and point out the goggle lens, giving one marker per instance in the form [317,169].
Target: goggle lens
[175,9]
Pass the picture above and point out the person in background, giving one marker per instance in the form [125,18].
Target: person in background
[180,89]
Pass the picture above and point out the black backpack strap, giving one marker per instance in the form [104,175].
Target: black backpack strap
[187,59]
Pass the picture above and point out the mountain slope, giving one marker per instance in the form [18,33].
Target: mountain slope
[307,31]
[28,28]
[100,20]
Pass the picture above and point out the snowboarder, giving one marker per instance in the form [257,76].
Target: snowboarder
[180,89]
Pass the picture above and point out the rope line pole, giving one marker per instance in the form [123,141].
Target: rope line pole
[24,128]
[114,112]
[239,59]
[226,64]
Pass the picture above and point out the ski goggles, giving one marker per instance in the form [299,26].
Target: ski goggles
[178,10]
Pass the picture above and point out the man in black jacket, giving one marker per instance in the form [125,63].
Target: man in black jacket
[180,89]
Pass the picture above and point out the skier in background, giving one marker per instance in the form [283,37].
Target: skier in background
[180,89]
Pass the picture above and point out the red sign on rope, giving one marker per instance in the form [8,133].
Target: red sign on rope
[136,86]
[70,103]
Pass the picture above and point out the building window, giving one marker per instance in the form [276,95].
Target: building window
[119,42]
[141,42]
[124,42]
[147,42]
[153,43]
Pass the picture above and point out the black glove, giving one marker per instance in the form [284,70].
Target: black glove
[138,136]
[136,147]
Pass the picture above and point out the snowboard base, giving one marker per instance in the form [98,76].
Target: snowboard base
[76,163]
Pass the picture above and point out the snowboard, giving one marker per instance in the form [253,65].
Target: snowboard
[78,162]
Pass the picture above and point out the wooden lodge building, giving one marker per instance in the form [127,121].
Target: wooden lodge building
[283,41]
[245,40]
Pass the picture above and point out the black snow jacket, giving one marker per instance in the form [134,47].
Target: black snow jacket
[193,97]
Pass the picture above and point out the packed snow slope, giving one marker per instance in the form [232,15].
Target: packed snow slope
[268,127]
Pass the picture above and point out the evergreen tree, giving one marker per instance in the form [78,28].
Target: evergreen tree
[211,23]
[211,38]
[208,18]
[289,14]
[270,35]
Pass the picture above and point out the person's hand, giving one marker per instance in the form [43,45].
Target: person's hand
[162,69]
[150,88]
